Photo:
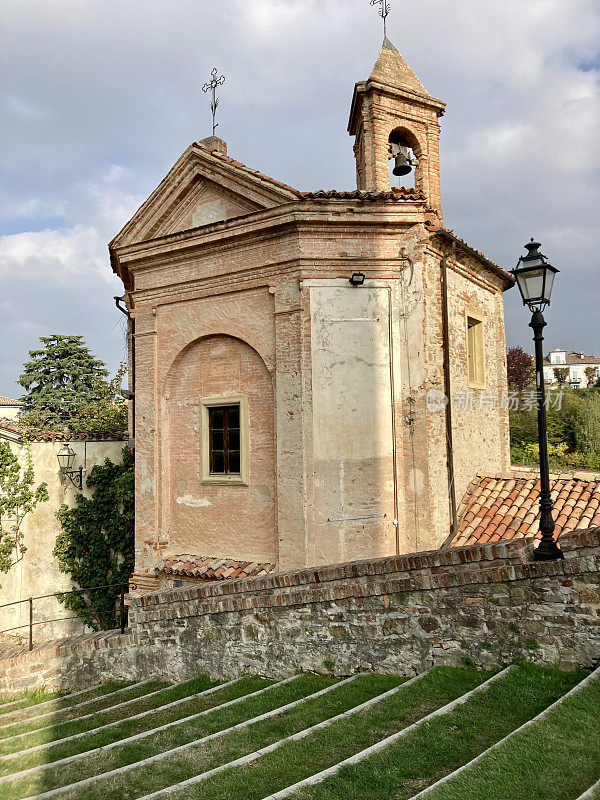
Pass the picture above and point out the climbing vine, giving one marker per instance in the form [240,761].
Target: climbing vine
[18,498]
[96,544]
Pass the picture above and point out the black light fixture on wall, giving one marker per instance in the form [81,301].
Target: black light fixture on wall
[66,459]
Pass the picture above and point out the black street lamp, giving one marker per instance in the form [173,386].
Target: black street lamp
[535,276]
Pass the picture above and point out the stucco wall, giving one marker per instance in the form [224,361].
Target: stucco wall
[38,573]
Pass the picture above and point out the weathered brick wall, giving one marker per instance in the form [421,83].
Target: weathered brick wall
[403,614]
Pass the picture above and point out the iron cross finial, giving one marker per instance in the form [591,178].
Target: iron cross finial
[212,87]
[384,10]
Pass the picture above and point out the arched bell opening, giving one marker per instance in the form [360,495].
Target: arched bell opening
[404,153]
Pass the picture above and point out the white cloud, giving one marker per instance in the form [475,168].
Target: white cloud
[61,256]
[104,96]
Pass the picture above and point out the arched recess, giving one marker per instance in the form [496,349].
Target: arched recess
[403,136]
[224,521]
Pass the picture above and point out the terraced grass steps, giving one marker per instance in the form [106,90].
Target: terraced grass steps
[162,735]
[333,697]
[39,697]
[63,732]
[130,759]
[554,756]
[23,728]
[31,714]
[447,734]
[400,769]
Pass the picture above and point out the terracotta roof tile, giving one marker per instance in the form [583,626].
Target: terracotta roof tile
[13,426]
[7,401]
[506,508]
[212,569]
[395,193]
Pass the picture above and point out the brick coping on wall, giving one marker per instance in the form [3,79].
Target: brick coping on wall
[432,569]
[424,571]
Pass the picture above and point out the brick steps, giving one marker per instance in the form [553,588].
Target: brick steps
[296,738]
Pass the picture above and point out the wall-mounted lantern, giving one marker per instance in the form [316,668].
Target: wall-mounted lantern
[66,460]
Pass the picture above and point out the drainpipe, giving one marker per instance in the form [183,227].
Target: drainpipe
[447,387]
[130,393]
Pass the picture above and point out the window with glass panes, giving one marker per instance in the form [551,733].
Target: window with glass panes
[224,440]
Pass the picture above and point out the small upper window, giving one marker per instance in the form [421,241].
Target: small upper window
[475,352]
[224,440]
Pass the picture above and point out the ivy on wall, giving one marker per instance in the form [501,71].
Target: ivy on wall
[96,544]
[18,498]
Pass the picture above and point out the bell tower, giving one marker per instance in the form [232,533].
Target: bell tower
[392,114]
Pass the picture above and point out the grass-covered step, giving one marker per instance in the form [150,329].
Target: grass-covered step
[593,793]
[163,749]
[100,697]
[137,694]
[221,696]
[439,745]
[328,740]
[555,756]
[37,697]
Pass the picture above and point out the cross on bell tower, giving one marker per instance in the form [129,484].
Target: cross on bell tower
[392,108]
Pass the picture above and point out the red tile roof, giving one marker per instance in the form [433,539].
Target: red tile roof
[13,426]
[213,569]
[228,160]
[395,193]
[571,359]
[448,233]
[6,401]
[495,508]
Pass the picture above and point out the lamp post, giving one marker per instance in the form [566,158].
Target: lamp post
[535,277]
[66,458]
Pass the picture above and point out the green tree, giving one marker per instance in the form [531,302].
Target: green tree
[96,544]
[106,415]
[561,374]
[591,373]
[61,379]
[18,498]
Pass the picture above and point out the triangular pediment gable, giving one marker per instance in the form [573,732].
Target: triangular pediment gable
[203,187]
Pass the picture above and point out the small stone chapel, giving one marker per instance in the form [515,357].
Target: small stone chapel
[291,353]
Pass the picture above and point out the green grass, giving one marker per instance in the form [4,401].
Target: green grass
[60,701]
[58,728]
[129,727]
[435,749]
[555,759]
[25,700]
[325,747]
[102,704]
[190,761]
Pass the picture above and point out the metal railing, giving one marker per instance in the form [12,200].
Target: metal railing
[124,588]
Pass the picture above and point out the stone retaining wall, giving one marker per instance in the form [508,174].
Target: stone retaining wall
[485,604]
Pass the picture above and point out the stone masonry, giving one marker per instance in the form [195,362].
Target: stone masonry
[484,604]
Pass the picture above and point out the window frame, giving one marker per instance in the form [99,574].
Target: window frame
[222,479]
[475,349]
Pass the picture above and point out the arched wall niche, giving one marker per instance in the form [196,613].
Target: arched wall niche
[229,521]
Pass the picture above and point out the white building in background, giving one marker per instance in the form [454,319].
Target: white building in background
[576,363]
[9,408]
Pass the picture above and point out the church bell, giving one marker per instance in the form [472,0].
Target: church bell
[401,163]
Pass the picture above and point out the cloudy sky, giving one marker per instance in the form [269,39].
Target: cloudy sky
[100,97]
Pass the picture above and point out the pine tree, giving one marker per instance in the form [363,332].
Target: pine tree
[61,378]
